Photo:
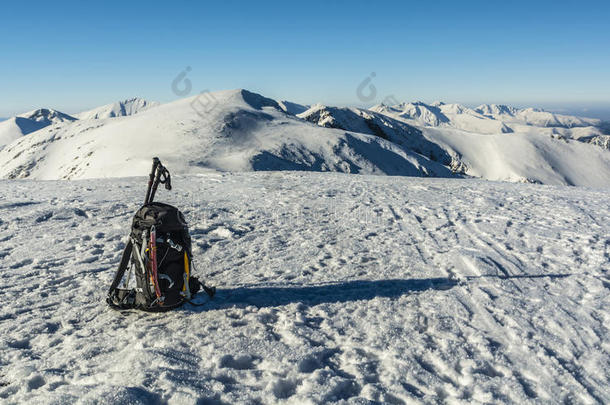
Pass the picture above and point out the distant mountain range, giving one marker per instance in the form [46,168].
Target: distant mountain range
[238,130]
[32,121]
[486,118]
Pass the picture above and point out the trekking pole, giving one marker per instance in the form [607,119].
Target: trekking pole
[151,177]
[163,177]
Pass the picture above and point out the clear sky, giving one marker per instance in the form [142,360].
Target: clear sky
[77,55]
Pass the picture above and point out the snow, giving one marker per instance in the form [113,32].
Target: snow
[237,130]
[242,131]
[486,118]
[332,288]
[292,108]
[493,119]
[526,157]
[23,124]
[123,108]
[14,128]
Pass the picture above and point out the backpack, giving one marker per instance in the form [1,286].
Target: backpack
[158,253]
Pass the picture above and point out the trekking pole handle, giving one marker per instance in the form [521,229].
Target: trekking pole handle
[151,178]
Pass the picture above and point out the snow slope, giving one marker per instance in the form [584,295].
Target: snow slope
[331,289]
[292,108]
[494,119]
[119,109]
[534,155]
[487,118]
[445,115]
[534,116]
[242,131]
[373,123]
[525,157]
[14,128]
[23,124]
[230,131]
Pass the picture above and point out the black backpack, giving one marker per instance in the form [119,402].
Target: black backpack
[158,253]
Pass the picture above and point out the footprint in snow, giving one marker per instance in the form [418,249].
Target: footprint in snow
[244,362]
[222,232]
[22,263]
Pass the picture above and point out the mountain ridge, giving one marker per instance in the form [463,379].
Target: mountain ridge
[123,108]
[15,127]
[238,130]
[243,131]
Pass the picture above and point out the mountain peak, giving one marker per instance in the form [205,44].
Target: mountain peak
[31,121]
[46,114]
[496,109]
[293,108]
[122,108]
[258,101]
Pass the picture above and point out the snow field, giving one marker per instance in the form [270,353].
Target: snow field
[331,289]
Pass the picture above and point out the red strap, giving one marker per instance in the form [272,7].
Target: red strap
[153,261]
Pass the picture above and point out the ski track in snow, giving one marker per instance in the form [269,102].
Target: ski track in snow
[331,289]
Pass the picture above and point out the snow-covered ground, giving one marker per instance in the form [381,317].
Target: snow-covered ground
[332,288]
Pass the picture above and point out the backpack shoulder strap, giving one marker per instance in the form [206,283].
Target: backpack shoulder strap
[122,266]
[120,298]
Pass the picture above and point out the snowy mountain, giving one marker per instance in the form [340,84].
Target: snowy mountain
[15,127]
[377,124]
[422,113]
[331,289]
[445,115]
[292,108]
[358,120]
[486,118]
[538,155]
[230,131]
[242,131]
[491,119]
[534,116]
[119,109]
[495,110]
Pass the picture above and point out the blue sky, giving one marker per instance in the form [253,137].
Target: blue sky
[73,55]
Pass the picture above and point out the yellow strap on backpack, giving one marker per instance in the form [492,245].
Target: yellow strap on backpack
[187,276]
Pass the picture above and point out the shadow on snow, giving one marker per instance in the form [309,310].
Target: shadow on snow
[269,295]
